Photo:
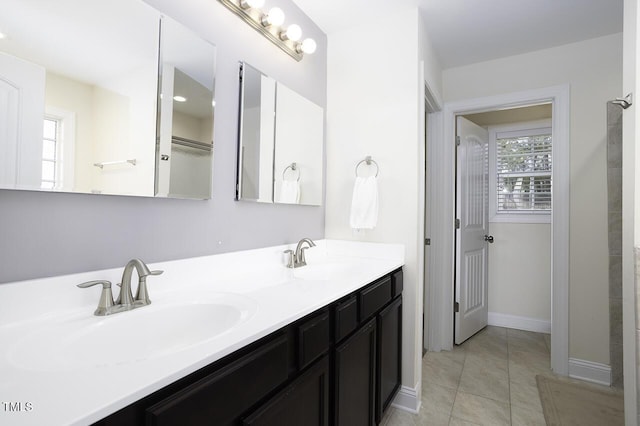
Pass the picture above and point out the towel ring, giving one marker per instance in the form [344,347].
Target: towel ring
[293,167]
[368,160]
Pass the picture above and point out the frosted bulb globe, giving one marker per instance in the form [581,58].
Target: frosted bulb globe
[275,16]
[293,32]
[308,46]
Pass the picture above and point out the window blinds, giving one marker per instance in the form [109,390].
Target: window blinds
[523,170]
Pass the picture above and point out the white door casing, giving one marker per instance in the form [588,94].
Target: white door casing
[22,115]
[472,210]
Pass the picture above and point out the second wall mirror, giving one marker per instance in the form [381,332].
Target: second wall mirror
[280,144]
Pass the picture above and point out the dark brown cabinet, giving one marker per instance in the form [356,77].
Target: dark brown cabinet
[355,378]
[304,402]
[389,350]
[339,365]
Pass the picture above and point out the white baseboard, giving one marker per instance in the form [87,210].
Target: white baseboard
[588,371]
[408,399]
[520,323]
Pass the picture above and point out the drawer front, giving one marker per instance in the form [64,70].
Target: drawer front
[374,297]
[346,318]
[314,338]
[223,396]
[305,402]
[396,281]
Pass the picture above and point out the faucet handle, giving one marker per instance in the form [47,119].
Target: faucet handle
[105,284]
[290,258]
[106,297]
[158,272]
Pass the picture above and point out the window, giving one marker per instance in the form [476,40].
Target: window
[50,153]
[520,164]
[58,149]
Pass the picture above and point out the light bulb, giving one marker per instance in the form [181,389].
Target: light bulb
[293,33]
[256,4]
[275,16]
[308,46]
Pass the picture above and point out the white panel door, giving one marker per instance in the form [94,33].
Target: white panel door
[472,210]
[21,122]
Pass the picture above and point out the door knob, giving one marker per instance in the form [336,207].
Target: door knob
[489,239]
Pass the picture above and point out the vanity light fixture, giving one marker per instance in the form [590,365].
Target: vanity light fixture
[275,16]
[269,24]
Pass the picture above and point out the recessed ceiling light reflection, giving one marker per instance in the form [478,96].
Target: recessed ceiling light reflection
[180,99]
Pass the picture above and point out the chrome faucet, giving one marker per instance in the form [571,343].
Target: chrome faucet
[125,301]
[297,259]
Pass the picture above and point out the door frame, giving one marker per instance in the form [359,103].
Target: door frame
[442,218]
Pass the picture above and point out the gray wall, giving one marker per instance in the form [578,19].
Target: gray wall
[46,234]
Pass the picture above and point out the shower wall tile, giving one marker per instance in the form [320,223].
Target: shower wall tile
[615,277]
[614,136]
[615,321]
[614,114]
[614,189]
[617,366]
[615,235]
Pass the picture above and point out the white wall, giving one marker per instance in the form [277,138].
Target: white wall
[520,270]
[75,96]
[630,212]
[593,68]
[373,104]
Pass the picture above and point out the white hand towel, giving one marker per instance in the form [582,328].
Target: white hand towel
[290,192]
[364,205]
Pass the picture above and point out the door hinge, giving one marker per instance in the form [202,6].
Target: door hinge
[427,241]
[456,307]
[457,140]
[457,223]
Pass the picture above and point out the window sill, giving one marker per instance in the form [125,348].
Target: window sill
[520,218]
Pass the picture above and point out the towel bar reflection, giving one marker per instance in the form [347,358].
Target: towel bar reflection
[293,167]
[368,160]
[112,163]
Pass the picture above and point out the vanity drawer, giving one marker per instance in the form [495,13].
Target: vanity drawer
[374,297]
[226,394]
[314,338]
[346,317]
[396,281]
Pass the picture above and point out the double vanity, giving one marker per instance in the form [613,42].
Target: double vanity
[236,338]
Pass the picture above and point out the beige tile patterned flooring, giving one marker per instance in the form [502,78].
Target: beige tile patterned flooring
[488,380]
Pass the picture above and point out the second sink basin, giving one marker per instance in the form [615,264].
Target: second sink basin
[161,329]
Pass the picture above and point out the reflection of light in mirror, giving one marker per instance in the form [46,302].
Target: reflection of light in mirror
[308,46]
[213,103]
[293,33]
[179,99]
[2,35]
[275,17]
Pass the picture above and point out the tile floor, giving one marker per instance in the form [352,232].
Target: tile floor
[488,380]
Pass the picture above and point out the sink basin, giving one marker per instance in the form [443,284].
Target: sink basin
[161,329]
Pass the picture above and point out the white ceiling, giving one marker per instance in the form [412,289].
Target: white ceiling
[468,31]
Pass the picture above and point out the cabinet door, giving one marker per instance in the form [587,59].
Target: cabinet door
[355,378]
[389,355]
[303,402]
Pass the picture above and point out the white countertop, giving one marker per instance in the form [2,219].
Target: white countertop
[45,386]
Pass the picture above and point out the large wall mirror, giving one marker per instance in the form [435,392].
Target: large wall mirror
[78,96]
[280,144]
